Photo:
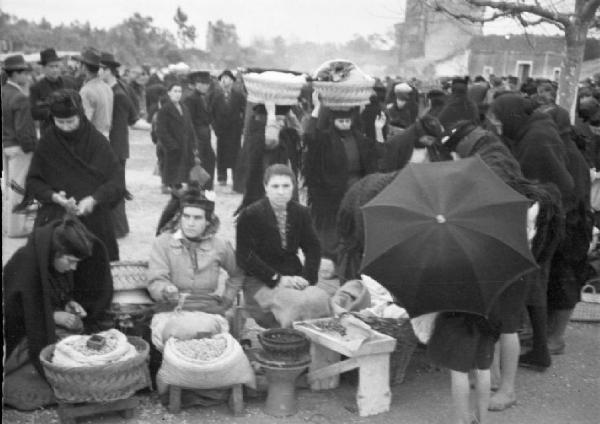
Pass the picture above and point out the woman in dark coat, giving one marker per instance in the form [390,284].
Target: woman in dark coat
[568,271]
[175,133]
[468,140]
[58,284]
[337,156]
[269,234]
[75,169]
[536,144]
[269,143]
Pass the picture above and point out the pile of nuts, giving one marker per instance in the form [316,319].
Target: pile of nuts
[331,325]
[204,349]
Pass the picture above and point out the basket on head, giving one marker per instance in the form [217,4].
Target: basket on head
[104,383]
[274,87]
[344,95]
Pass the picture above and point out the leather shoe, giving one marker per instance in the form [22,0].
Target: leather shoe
[534,361]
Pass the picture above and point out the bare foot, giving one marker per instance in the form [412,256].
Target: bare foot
[501,401]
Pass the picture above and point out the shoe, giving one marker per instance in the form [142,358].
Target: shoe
[556,349]
[534,362]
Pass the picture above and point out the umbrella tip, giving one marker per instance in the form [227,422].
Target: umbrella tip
[441,219]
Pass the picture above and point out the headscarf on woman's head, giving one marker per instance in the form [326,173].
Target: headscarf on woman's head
[65,103]
[71,237]
[513,111]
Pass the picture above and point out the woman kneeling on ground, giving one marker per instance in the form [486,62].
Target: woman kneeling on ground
[187,259]
[58,284]
[269,234]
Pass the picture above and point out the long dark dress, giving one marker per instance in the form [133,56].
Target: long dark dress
[81,164]
[32,292]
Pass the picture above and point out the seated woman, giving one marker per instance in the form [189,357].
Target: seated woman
[269,233]
[57,284]
[188,257]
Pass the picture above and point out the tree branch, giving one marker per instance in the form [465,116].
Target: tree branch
[514,8]
[588,11]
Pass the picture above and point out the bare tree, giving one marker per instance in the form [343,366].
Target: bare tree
[575,25]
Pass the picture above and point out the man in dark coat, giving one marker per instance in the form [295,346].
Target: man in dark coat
[124,115]
[53,80]
[228,119]
[402,111]
[75,169]
[18,140]
[198,103]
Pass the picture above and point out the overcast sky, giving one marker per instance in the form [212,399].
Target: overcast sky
[313,20]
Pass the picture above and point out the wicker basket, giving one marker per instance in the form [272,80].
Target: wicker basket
[105,383]
[261,90]
[128,275]
[406,342]
[588,309]
[344,95]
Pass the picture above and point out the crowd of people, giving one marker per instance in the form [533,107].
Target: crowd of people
[72,175]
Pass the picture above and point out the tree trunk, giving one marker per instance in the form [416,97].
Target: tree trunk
[575,35]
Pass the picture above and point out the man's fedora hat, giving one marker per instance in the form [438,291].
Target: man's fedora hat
[90,55]
[16,63]
[47,56]
[108,59]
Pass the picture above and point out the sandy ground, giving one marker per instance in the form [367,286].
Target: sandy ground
[568,393]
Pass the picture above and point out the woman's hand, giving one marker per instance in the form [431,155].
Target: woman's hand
[316,101]
[68,320]
[86,205]
[170,293]
[380,122]
[76,309]
[70,205]
[293,282]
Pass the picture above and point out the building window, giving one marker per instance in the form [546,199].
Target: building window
[487,71]
[556,74]
[524,69]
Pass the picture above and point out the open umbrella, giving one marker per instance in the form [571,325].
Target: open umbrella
[446,236]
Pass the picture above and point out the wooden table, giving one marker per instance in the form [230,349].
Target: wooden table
[372,359]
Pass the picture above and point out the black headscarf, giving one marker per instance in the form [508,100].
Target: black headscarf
[513,111]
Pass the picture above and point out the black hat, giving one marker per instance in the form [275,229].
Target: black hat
[16,63]
[196,198]
[90,55]
[65,103]
[228,73]
[435,93]
[108,60]
[460,80]
[47,56]
[513,80]
[199,76]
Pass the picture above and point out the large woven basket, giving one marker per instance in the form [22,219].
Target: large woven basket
[128,275]
[277,92]
[343,95]
[588,309]
[119,380]
[406,342]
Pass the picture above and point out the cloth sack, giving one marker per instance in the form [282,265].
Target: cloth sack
[423,326]
[185,325]
[68,352]
[230,368]
[289,305]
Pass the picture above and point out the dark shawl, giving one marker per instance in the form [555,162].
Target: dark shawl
[28,311]
[81,164]
[326,168]
[258,244]
[458,107]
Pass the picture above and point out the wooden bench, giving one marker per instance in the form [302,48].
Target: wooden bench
[236,399]
[373,395]
[68,412]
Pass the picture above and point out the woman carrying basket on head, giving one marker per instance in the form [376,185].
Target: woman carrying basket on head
[58,284]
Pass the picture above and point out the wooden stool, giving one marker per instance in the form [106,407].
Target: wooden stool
[236,399]
[69,412]
[372,359]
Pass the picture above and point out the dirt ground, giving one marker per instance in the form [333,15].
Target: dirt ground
[568,393]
